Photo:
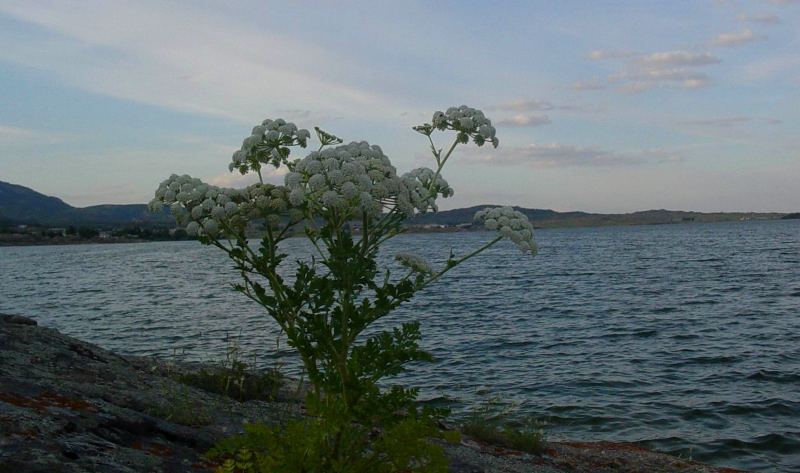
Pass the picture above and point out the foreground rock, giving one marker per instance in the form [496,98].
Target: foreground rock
[70,406]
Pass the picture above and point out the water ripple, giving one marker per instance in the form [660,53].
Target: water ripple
[685,337]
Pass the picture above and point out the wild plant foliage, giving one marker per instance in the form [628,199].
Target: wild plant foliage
[347,200]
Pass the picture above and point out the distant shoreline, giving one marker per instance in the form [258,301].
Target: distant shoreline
[8,240]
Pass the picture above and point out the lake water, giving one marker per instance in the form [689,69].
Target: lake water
[684,337]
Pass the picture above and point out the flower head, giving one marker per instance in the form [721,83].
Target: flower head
[209,210]
[510,224]
[340,178]
[268,143]
[468,122]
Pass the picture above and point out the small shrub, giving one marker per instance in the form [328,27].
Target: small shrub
[307,445]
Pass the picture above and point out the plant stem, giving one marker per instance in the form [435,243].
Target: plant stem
[453,263]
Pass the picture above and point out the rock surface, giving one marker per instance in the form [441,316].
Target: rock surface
[70,406]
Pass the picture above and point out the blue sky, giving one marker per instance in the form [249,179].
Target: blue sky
[600,106]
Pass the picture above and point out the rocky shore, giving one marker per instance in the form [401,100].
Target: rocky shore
[70,406]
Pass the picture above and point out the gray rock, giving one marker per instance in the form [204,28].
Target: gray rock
[70,406]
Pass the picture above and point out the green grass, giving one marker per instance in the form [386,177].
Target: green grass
[235,380]
[489,423]
[233,377]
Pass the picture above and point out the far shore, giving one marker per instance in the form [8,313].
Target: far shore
[29,239]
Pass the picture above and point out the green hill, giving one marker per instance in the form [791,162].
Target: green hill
[19,204]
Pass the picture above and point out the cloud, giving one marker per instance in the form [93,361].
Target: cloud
[775,67]
[730,122]
[235,179]
[760,18]
[642,79]
[600,54]
[11,135]
[663,69]
[525,121]
[737,39]
[556,155]
[594,84]
[523,105]
[194,60]
[676,58]
[784,2]
[672,69]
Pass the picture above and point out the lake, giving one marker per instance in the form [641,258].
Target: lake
[683,337]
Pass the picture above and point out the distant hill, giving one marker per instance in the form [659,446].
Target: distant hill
[19,204]
[542,218]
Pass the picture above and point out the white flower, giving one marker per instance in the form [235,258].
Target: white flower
[331,199]
[510,224]
[218,212]
[268,143]
[349,190]
[211,227]
[469,122]
[297,197]
[292,179]
[192,228]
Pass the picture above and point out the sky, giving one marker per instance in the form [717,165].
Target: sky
[602,106]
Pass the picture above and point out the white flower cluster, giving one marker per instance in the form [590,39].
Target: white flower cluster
[425,176]
[468,122]
[357,177]
[415,263]
[209,210]
[510,224]
[268,144]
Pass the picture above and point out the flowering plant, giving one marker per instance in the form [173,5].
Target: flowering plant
[333,298]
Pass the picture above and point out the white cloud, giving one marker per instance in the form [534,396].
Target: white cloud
[730,122]
[647,78]
[674,69]
[235,179]
[600,54]
[525,120]
[677,58]
[12,135]
[760,18]
[737,39]
[663,69]
[593,84]
[523,105]
[776,67]
[557,155]
[189,59]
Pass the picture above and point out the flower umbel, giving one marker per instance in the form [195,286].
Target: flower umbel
[467,121]
[510,224]
[268,143]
